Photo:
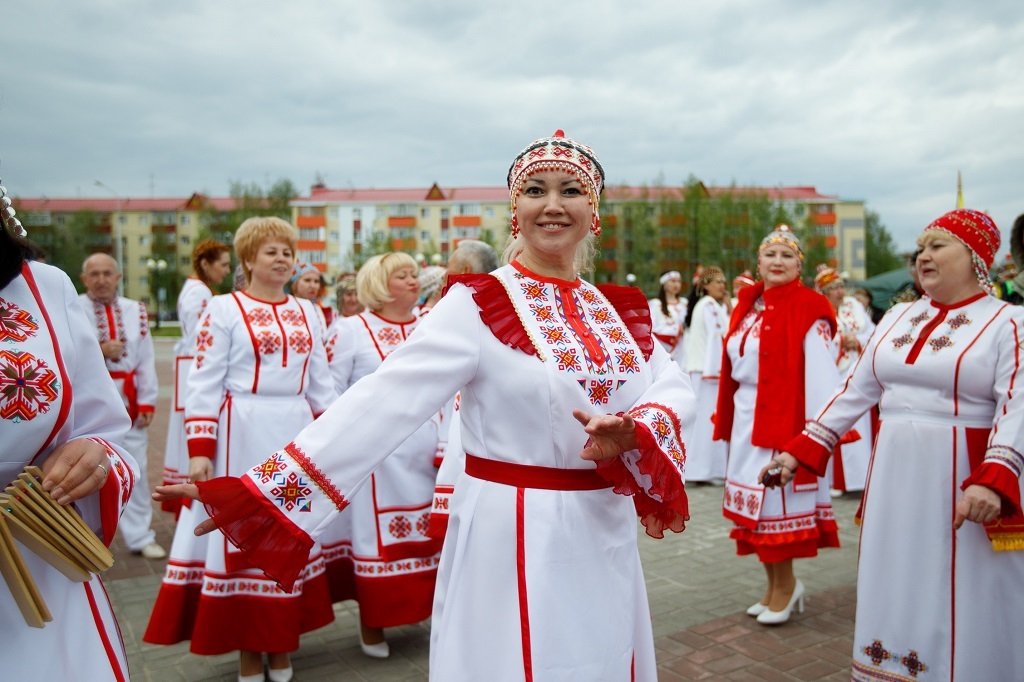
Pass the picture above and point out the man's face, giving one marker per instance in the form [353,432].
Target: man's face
[100,276]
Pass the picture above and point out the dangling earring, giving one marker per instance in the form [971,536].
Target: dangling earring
[595,225]
[515,226]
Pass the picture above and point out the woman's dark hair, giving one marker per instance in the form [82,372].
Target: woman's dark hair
[661,294]
[13,252]
[696,291]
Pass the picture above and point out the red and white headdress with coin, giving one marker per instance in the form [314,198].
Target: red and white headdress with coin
[559,153]
[978,232]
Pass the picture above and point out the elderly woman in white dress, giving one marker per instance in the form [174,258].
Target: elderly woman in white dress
[939,575]
[571,421]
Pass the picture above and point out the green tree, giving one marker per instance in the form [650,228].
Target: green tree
[880,251]
[374,244]
[68,242]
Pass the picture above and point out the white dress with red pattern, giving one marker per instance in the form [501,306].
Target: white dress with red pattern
[703,360]
[851,466]
[777,523]
[259,376]
[669,328]
[135,375]
[381,535]
[540,575]
[934,603]
[54,388]
[192,302]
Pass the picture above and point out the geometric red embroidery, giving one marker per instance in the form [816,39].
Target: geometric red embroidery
[143,321]
[15,324]
[901,341]
[299,342]
[876,652]
[292,492]
[400,527]
[27,386]
[292,317]
[628,362]
[203,341]
[913,664]
[532,290]
[388,336]
[568,362]
[918,319]
[958,321]
[267,469]
[269,342]
[422,524]
[259,317]
[940,342]
[554,334]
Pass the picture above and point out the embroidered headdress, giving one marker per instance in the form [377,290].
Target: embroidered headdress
[560,153]
[744,279]
[977,232]
[782,235]
[826,278]
[711,274]
[300,269]
[431,279]
[671,274]
[7,215]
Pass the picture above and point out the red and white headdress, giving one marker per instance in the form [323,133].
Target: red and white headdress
[560,153]
[744,279]
[826,278]
[979,234]
[782,234]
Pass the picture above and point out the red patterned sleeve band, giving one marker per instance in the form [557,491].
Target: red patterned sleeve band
[672,511]
[251,523]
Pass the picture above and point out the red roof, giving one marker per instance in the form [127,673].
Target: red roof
[127,204]
[775,193]
[404,195]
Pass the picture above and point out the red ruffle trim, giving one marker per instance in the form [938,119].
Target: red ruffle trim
[254,525]
[631,305]
[809,452]
[783,546]
[673,511]
[1000,479]
[496,310]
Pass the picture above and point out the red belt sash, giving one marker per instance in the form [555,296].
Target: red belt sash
[131,392]
[530,476]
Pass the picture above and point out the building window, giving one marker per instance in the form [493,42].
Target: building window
[143,240]
[469,209]
[444,213]
[424,212]
[309,234]
[335,235]
[60,220]
[313,256]
[333,212]
[405,210]
[357,213]
[488,211]
[186,240]
[380,212]
[143,220]
[184,220]
[424,235]
[185,260]
[142,260]
[144,281]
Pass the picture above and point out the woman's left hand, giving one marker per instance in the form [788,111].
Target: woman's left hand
[610,435]
[788,465]
[978,504]
[78,468]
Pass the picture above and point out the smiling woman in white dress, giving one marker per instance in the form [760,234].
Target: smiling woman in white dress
[571,416]
[936,598]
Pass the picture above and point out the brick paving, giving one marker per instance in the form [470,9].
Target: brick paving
[697,586]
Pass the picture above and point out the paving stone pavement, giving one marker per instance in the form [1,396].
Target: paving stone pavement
[698,590]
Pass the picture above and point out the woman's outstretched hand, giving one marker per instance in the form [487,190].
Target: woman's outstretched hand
[610,435]
[176,492]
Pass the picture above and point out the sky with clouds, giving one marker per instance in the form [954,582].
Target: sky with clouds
[871,100]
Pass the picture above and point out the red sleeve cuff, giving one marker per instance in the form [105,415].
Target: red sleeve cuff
[662,507]
[999,478]
[202,447]
[146,408]
[252,524]
[809,452]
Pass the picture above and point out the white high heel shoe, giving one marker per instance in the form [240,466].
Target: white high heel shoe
[757,609]
[769,617]
[378,650]
[280,674]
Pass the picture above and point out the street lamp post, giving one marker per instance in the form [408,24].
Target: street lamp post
[118,247]
[156,268]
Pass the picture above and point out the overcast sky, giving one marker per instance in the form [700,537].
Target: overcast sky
[866,100]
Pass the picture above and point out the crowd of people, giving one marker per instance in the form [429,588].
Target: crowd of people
[489,433]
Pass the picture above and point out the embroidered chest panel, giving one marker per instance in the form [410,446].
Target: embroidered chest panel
[29,384]
[386,336]
[934,330]
[849,319]
[577,330]
[276,329]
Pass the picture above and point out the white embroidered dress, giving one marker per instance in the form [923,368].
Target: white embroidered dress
[394,562]
[706,458]
[192,302]
[259,376]
[669,328]
[854,320]
[134,373]
[54,388]
[934,604]
[539,547]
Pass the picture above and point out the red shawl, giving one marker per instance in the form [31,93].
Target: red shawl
[779,414]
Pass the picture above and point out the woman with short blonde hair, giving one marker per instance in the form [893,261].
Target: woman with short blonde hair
[254,232]
[372,278]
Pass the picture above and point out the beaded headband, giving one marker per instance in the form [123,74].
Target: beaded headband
[8,215]
[558,153]
[782,235]
[977,232]
[711,274]
[826,278]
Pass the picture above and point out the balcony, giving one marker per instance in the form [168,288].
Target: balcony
[402,221]
[311,221]
[311,245]
[824,218]
[466,221]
